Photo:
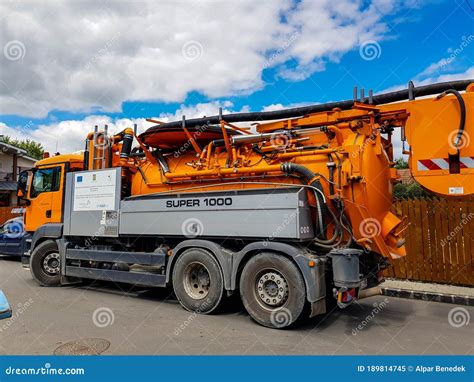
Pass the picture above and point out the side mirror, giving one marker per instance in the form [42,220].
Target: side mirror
[5,310]
[22,184]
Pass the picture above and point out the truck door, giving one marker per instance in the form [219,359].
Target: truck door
[46,196]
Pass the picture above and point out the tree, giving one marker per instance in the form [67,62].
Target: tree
[410,191]
[32,148]
[401,164]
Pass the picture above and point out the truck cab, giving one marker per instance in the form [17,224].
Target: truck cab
[42,189]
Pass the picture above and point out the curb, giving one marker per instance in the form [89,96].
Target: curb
[429,296]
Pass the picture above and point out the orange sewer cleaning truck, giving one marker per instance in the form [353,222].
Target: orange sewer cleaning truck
[290,209]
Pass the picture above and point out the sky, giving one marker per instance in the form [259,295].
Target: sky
[69,65]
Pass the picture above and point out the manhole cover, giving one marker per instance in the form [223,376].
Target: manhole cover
[86,346]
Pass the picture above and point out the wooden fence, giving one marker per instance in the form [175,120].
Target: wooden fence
[6,213]
[440,241]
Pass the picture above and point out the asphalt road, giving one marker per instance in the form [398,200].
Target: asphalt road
[152,322]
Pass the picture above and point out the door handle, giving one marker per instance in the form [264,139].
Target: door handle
[48,213]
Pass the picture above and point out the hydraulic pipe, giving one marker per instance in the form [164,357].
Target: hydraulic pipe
[390,97]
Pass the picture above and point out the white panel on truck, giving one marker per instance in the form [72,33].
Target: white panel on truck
[95,190]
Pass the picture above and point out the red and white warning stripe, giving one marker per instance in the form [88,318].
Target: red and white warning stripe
[443,163]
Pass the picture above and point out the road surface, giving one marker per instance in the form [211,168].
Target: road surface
[152,322]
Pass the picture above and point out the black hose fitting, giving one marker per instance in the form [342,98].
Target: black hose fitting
[289,168]
[462,119]
[126,145]
[309,176]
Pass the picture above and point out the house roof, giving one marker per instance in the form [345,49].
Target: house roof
[7,185]
[10,149]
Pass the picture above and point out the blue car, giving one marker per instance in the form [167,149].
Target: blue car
[5,310]
[13,237]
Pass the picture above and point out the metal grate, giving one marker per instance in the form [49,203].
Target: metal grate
[86,346]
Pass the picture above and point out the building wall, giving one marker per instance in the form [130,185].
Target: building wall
[6,164]
[6,172]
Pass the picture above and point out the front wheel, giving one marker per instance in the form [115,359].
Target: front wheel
[45,264]
[272,290]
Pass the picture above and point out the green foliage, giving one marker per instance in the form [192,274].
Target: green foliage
[33,149]
[401,164]
[410,191]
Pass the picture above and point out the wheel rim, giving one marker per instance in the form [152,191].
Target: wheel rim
[197,280]
[51,264]
[271,289]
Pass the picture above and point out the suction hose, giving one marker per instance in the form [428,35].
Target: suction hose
[399,95]
[322,209]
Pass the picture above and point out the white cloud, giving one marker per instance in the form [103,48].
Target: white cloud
[200,110]
[69,135]
[77,55]
[424,79]
[280,106]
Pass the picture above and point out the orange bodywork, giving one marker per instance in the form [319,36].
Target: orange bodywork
[47,207]
[344,148]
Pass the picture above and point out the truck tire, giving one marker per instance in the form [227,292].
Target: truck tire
[197,281]
[273,290]
[45,265]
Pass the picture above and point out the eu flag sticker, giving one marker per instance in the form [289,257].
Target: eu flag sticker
[79,178]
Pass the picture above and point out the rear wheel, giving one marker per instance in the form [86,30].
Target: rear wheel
[272,290]
[45,265]
[197,281]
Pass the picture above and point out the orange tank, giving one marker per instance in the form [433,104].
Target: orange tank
[348,151]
